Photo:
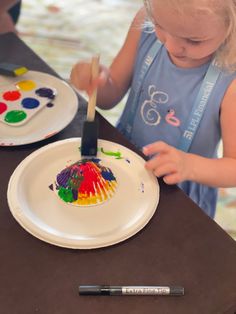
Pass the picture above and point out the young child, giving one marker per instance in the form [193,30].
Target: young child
[181,74]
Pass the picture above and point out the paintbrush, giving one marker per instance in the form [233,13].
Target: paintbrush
[90,126]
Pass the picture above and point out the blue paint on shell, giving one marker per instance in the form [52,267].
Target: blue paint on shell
[108,175]
[30,103]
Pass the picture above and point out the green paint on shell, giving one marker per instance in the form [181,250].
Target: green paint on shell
[15,116]
[66,195]
[75,182]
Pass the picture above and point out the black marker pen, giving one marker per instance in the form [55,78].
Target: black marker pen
[131,290]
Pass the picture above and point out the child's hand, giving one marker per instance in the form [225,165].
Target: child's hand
[81,77]
[173,164]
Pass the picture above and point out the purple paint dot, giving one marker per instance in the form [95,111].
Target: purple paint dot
[50,105]
[45,92]
[30,103]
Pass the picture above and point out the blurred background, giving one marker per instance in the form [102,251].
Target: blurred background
[65,31]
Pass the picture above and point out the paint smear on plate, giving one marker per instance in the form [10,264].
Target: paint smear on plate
[117,155]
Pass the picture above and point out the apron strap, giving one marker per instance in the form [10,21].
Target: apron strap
[137,89]
[199,107]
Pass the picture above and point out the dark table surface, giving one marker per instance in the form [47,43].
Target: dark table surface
[180,245]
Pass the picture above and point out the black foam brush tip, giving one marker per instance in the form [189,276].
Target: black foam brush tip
[89,139]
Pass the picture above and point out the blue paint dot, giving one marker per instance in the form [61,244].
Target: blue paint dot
[30,103]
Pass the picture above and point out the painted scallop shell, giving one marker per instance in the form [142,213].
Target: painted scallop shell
[86,182]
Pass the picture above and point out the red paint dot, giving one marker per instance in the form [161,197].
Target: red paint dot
[11,95]
[3,107]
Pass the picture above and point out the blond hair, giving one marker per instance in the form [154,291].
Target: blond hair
[225,9]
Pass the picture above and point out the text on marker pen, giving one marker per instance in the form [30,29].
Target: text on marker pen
[131,290]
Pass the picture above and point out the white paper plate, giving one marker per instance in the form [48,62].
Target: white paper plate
[46,122]
[39,210]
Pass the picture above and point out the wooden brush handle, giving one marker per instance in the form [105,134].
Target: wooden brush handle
[93,97]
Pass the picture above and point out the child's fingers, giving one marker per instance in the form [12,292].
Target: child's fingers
[163,170]
[80,76]
[172,178]
[155,148]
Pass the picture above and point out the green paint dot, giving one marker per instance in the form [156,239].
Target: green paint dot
[66,195]
[15,116]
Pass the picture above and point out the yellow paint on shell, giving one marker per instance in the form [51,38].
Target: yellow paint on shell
[26,85]
[85,199]
[113,186]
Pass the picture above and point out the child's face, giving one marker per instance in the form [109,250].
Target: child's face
[190,39]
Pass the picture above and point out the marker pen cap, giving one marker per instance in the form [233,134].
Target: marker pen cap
[90,290]
[176,290]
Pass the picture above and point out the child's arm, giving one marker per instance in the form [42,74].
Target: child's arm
[177,166]
[6,22]
[114,82]
[6,5]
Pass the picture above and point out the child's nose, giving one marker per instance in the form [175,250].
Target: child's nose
[174,45]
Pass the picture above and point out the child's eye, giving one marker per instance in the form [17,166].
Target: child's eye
[193,42]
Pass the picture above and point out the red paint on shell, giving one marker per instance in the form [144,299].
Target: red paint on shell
[91,177]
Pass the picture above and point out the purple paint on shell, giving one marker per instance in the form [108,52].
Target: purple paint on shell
[30,103]
[63,177]
[75,194]
[45,92]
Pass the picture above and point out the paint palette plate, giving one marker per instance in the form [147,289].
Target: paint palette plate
[19,102]
[32,107]
[39,211]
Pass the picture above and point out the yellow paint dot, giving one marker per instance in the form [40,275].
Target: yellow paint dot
[26,85]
